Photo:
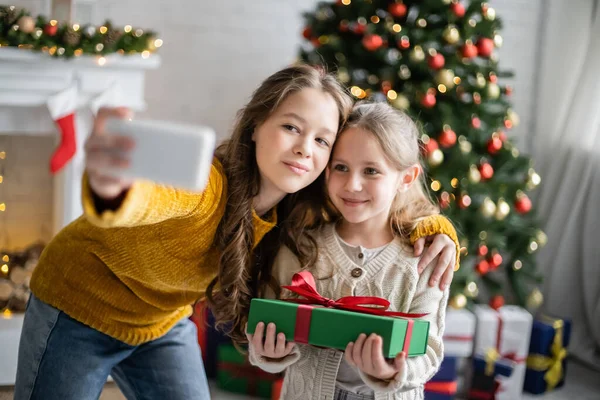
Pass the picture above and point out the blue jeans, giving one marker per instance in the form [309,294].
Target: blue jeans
[62,359]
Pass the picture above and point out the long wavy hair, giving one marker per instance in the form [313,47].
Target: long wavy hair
[398,136]
[244,271]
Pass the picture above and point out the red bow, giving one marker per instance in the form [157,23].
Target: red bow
[303,284]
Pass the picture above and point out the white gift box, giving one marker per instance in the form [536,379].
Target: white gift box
[508,330]
[459,333]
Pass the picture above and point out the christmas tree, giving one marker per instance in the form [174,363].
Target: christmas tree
[436,60]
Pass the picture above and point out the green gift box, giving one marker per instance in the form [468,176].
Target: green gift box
[335,328]
[236,375]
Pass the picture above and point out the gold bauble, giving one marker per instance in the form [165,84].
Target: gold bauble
[458,302]
[481,80]
[533,179]
[517,265]
[541,237]
[445,77]
[502,209]
[451,34]
[401,102]
[465,146]
[498,41]
[513,117]
[471,290]
[488,207]
[533,246]
[474,174]
[417,54]
[493,90]
[535,299]
[26,24]
[435,158]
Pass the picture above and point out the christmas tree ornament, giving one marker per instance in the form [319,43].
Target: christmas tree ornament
[486,171]
[522,203]
[435,158]
[445,77]
[417,54]
[451,34]
[26,24]
[502,135]
[471,289]
[444,200]
[307,33]
[72,37]
[428,100]
[51,28]
[482,267]
[465,146]
[422,23]
[473,175]
[464,201]
[458,9]
[343,27]
[535,299]
[493,77]
[498,41]
[494,145]
[482,250]
[393,55]
[475,122]
[447,138]
[493,90]
[485,47]
[401,102]
[480,80]
[476,98]
[404,42]
[429,144]
[436,61]
[62,108]
[513,117]
[458,302]
[541,238]
[489,14]
[488,208]
[502,209]
[495,261]
[517,265]
[497,301]
[90,31]
[533,179]
[404,72]
[398,10]
[533,246]
[372,42]
[508,90]
[469,50]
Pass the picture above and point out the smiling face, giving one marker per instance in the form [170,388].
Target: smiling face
[294,143]
[361,182]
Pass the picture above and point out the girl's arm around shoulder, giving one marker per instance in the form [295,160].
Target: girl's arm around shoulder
[147,202]
[418,370]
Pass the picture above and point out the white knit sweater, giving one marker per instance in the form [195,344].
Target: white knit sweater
[392,274]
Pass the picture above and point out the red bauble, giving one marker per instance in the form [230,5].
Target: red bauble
[430,146]
[486,171]
[502,135]
[493,78]
[437,61]
[494,145]
[469,51]
[508,124]
[508,90]
[464,201]
[315,42]
[523,204]
[458,9]
[483,250]
[404,43]
[485,47]
[397,10]
[428,101]
[307,32]
[496,301]
[372,42]
[495,261]
[344,26]
[50,29]
[447,138]
[482,267]
[359,29]
[476,122]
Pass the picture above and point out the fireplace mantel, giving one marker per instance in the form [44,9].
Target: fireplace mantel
[27,80]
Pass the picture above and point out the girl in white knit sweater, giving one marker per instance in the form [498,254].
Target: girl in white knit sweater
[375,182]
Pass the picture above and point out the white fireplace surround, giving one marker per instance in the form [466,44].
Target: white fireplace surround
[27,80]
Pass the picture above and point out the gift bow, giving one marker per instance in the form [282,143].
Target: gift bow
[303,284]
[553,364]
[491,356]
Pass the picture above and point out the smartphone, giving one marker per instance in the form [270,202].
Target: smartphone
[165,152]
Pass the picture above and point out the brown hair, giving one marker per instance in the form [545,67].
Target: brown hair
[398,136]
[243,272]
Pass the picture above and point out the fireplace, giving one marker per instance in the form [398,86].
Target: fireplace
[35,204]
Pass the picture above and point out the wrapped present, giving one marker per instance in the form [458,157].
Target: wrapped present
[443,385]
[235,374]
[459,333]
[213,339]
[331,323]
[276,390]
[487,369]
[507,331]
[546,362]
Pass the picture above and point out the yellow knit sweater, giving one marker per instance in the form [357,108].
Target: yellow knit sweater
[132,274]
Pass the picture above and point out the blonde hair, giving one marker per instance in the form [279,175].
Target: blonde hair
[398,136]
[244,272]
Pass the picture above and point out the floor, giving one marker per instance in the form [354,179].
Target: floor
[582,384]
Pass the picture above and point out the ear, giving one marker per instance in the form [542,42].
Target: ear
[409,176]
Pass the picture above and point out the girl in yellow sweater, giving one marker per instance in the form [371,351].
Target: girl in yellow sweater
[112,290]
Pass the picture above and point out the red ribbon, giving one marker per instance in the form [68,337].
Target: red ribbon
[303,284]
[459,338]
[448,388]
[477,394]
[510,356]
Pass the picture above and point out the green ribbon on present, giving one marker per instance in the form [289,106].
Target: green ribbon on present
[552,365]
